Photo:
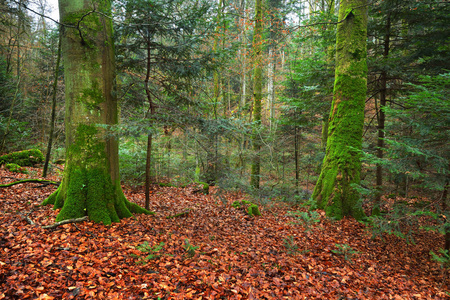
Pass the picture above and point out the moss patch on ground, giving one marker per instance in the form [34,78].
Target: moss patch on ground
[25,158]
[15,168]
[250,208]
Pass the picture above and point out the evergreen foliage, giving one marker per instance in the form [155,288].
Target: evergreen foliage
[422,151]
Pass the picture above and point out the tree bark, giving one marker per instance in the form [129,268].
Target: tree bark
[91,182]
[243,53]
[342,166]
[148,161]
[257,95]
[53,117]
[382,119]
[296,156]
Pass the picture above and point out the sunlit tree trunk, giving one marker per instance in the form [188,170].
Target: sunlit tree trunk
[91,183]
[257,94]
[342,166]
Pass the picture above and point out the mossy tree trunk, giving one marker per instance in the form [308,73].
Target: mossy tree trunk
[342,166]
[257,95]
[91,183]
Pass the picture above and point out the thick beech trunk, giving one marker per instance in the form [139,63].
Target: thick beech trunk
[91,183]
[341,166]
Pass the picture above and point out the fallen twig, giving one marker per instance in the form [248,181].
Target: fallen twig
[27,218]
[66,222]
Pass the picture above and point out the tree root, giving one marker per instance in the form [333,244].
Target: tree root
[42,181]
[29,221]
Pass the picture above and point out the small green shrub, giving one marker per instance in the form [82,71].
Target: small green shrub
[345,250]
[443,260]
[25,158]
[153,252]
[290,245]
[15,168]
[305,218]
[190,249]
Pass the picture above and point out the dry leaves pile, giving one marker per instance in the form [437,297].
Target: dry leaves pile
[213,252]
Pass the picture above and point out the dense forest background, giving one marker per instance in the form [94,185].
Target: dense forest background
[186,85]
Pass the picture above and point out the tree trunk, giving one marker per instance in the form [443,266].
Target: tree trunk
[148,165]
[148,162]
[257,95]
[381,120]
[444,204]
[91,183]
[243,53]
[53,117]
[342,166]
[444,211]
[270,86]
[323,141]
[296,156]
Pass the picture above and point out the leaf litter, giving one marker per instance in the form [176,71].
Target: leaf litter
[213,252]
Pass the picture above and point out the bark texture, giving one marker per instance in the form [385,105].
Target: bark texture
[91,183]
[342,166]
[257,94]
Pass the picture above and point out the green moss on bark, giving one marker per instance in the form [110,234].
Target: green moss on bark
[341,166]
[91,182]
[75,203]
[87,187]
[91,193]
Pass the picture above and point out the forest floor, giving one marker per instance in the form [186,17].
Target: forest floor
[215,251]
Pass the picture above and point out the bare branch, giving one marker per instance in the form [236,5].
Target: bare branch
[78,220]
